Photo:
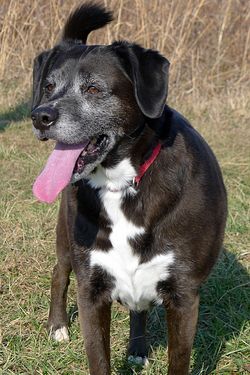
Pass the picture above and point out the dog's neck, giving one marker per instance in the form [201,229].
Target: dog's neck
[124,164]
[119,170]
[140,144]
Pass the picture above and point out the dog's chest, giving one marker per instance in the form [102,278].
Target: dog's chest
[135,283]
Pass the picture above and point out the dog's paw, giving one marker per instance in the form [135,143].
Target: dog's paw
[138,361]
[60,334]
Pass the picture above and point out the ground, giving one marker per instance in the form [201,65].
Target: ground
[27,256]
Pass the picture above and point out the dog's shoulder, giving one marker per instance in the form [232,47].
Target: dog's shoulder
[185,145]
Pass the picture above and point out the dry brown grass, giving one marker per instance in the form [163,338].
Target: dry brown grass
[206,41]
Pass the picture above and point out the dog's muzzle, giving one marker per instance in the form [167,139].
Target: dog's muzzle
[43,117]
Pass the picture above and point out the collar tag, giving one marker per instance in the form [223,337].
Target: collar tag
[134,183]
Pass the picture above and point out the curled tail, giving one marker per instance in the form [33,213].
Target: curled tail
[84,19]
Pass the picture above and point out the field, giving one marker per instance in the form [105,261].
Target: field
[207,43]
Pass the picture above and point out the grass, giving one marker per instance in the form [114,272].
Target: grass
[27,255]
[207,43]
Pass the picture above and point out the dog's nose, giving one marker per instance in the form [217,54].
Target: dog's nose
[43,117]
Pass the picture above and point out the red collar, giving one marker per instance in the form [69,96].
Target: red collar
[144,167]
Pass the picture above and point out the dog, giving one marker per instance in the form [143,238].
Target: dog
[143,207]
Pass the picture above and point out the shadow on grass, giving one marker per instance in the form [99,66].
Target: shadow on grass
[223,313]
[13,114]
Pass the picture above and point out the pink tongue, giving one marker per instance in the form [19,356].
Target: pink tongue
[57,172]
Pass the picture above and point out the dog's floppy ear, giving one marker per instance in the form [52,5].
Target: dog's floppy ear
[42,64]
[83,20]
[148,72]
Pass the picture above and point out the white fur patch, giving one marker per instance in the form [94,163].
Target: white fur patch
[138,361]
[116,178]
[135,282]
[61,334]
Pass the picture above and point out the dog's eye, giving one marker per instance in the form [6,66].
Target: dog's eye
[93,90]
[49,88]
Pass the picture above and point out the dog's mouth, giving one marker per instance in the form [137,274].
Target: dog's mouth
[91,152]
[67,164]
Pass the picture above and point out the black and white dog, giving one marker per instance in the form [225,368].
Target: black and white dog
[143,207]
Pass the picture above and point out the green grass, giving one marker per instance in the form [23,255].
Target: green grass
[27,256]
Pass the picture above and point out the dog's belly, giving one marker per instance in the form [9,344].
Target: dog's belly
[135,283]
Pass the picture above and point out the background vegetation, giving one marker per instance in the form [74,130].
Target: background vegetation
[207,43]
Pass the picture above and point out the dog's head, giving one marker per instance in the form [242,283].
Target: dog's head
[95,95]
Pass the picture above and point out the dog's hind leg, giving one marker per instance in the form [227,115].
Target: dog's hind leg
[137,349]
[58,319]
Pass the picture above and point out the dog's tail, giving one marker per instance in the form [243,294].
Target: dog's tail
[83,20]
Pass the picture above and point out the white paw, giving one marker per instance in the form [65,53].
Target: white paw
[139,361]
[61,334]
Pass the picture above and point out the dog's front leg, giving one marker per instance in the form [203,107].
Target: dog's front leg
[95,325]
[58,319]
[181,330]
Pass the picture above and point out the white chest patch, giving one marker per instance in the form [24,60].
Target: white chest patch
[135,283]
